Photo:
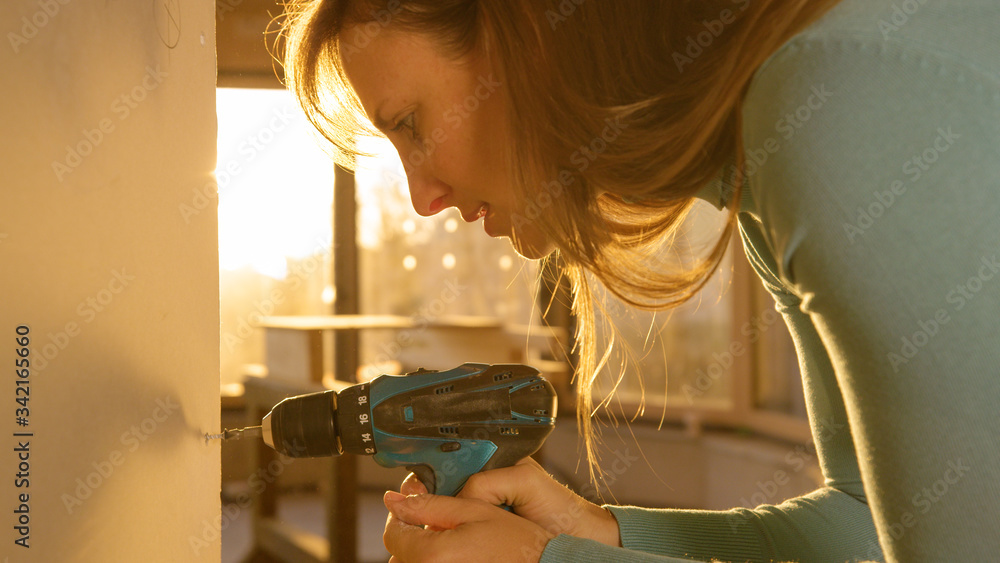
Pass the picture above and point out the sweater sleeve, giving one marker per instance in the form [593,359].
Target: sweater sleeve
[825,525]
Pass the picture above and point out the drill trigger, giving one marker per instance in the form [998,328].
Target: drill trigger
[425,474]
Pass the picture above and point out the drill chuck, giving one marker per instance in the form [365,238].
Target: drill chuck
[320,424]
[304,426]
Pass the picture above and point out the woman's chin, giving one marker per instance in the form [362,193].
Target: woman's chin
[532,250]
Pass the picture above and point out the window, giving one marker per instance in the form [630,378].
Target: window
[275,220]
[724,358]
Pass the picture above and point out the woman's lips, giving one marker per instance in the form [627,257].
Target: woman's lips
[488,225]
[485,213]
[477,214]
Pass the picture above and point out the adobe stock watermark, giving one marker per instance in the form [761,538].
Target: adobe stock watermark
[797,459]
[787,127]
[705,378]
[31,25]
[566,9]
[454,116]
[131,439]
[121,107]
[901,14]
[925,499]
[426,315]
[695,45]
[365,33]
[87,310]
[455,467]
[258,481]
[913,168]
[249,149]
[958,297]
[565,522]
[265,307]
[582,158]
[224,7]
[623,461]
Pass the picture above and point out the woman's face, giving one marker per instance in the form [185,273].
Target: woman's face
[446,120]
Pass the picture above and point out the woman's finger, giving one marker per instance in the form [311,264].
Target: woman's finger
[404,540]
[468,530]
[436,511]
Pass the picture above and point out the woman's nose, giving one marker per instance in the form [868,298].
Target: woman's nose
[428,194]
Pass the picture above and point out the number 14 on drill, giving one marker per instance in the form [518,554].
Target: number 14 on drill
[366,437]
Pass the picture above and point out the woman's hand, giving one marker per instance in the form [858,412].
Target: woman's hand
[535,495]
[436,528]
[471,526]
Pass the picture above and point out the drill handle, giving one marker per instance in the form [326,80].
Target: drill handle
[445,473]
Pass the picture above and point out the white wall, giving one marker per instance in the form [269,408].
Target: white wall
[108,130]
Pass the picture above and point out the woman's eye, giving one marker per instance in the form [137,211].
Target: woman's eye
[409,124]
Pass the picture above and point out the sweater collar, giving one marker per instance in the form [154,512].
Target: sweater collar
[719,192]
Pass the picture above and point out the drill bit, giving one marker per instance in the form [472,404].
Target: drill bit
[236,433]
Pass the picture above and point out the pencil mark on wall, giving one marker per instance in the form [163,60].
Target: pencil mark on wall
[167,14]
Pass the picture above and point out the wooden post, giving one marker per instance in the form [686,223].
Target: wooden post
[342,510]
[345,273]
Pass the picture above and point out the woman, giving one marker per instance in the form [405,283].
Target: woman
[867,202]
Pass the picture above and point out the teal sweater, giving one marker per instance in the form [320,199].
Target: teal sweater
[872,215]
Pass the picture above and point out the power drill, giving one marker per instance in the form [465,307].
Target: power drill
[443,426]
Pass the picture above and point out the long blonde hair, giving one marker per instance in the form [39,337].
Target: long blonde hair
[623,110]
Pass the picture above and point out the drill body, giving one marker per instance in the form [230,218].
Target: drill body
[442,425]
